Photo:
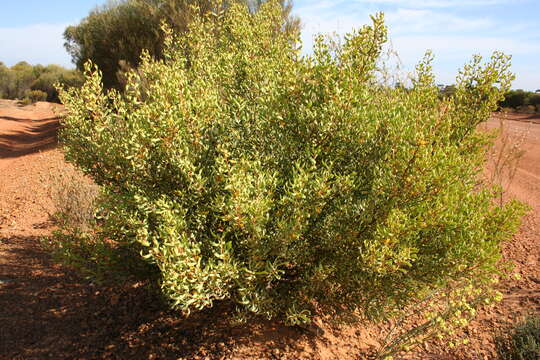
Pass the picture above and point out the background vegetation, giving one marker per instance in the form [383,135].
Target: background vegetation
[514,100]
[35,83]
[522,101]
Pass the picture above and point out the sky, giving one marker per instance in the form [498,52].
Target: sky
[454,30]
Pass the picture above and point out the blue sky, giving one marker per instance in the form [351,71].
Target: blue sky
[31,30]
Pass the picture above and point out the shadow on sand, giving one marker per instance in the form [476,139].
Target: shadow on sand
[48,311]
[36,136]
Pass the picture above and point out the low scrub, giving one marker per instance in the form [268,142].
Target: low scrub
[74,198]
[289,184]
[33,96]
[75,241]
[522,342]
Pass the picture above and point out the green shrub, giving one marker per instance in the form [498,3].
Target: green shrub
[5,81]
[523,342]
[448,91]
[523,101]
[22,77]
[25,101]
[534,100]
[292,184]
[514,99]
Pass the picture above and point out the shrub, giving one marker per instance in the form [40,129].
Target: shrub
[35,95]
[74,198]
[5,81]
[523,101]
[523,342]
[448,91]
[292,184]
[534,100]
[53,75]
[21,79]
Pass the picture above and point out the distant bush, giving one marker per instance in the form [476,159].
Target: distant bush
[523,342]
[448,91]
[534,100]
[244,171]
[22,79]
[53,75]
[526,109]
[35,95]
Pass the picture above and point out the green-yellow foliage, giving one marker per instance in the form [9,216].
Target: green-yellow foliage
[290,183]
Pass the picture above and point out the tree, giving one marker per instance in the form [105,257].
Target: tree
[114,35]
[23,76]
[6,81]
[534,100]
[48,77]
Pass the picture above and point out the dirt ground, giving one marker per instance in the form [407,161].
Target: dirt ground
[47,311]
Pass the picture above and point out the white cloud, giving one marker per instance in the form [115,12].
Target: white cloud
[429,21]
[320,17]
[451,47]
[400,21]
[36,44]
[452,52]
[437,3]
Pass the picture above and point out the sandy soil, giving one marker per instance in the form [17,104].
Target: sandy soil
[47,311]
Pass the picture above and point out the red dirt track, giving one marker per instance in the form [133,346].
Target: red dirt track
[47,311]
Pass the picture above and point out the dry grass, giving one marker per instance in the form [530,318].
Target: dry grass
[74,198]
[503,158]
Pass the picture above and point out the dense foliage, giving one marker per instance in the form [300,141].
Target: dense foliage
[291,184]
[35,83]
[114,35]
